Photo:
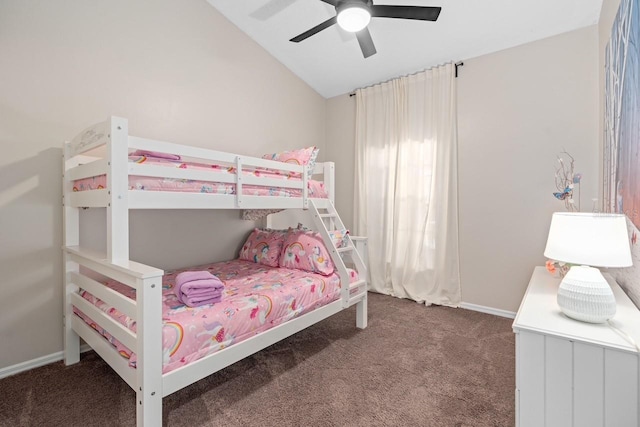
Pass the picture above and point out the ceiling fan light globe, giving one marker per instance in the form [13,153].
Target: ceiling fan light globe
[354,18]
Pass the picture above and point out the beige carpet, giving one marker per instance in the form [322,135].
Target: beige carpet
[413,366]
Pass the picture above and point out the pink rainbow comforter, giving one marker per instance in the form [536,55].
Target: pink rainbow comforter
[146,183]
[256,298]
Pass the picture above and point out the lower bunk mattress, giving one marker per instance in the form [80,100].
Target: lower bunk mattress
[255,298]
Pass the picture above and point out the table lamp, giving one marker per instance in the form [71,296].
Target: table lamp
[588,240]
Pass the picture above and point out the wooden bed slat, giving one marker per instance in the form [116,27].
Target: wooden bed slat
[106,350]
[141,169]
[181,150]
[272,164]
[113,298]
[100,268]
[173,200]
[124,272]
[170,200]
[210,155]
[89,199]
[177,173]
[120,332]
[357,284]
[271,182]
[88,170]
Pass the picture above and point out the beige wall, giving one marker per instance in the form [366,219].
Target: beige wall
[178,71]
[517,109]
[341,118]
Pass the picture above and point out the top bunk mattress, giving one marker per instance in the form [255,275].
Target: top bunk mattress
[255,298]
[145,183]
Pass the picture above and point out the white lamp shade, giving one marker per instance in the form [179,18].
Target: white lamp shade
[353,18]
[593,239]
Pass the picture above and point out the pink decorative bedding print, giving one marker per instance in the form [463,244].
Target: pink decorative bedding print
[263,247]
[255,298]
[305,250]
[146,183]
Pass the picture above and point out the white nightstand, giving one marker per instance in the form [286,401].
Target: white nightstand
[570,373]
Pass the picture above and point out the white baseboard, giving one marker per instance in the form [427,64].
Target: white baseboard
[488,310]
[35,363]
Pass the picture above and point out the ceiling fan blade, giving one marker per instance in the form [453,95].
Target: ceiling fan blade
[326,24]
[331,2]
[366,42]
[423,13]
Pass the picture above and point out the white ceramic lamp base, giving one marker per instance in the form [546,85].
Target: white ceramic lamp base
[585,295]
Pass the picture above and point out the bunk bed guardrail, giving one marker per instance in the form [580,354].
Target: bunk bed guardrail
[113,134]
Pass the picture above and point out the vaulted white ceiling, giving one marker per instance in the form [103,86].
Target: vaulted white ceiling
[331,61]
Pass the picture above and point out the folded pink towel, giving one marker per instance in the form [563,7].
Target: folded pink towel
[195,288]
[156,154]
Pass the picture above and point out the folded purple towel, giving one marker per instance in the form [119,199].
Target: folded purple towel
[156,154]
[189,276]
[201,288]
[195,288]
[195,302]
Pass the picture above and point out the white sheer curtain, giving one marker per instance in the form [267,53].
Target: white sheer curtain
[406,198]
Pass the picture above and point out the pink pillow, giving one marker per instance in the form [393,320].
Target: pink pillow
[305,250]
[339,237]
[303,156]
[263,247]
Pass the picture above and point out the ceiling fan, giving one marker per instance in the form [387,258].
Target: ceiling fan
[354,16]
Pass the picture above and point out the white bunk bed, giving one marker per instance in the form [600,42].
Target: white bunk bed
[84,269]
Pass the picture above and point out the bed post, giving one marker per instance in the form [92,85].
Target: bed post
[329,180]
[70,237]
[149,351]
[361,313]
[118,187]
[361,307]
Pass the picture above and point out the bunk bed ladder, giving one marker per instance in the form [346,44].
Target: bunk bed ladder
[326,219]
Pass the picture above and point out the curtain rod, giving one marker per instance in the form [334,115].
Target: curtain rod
[457,64]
